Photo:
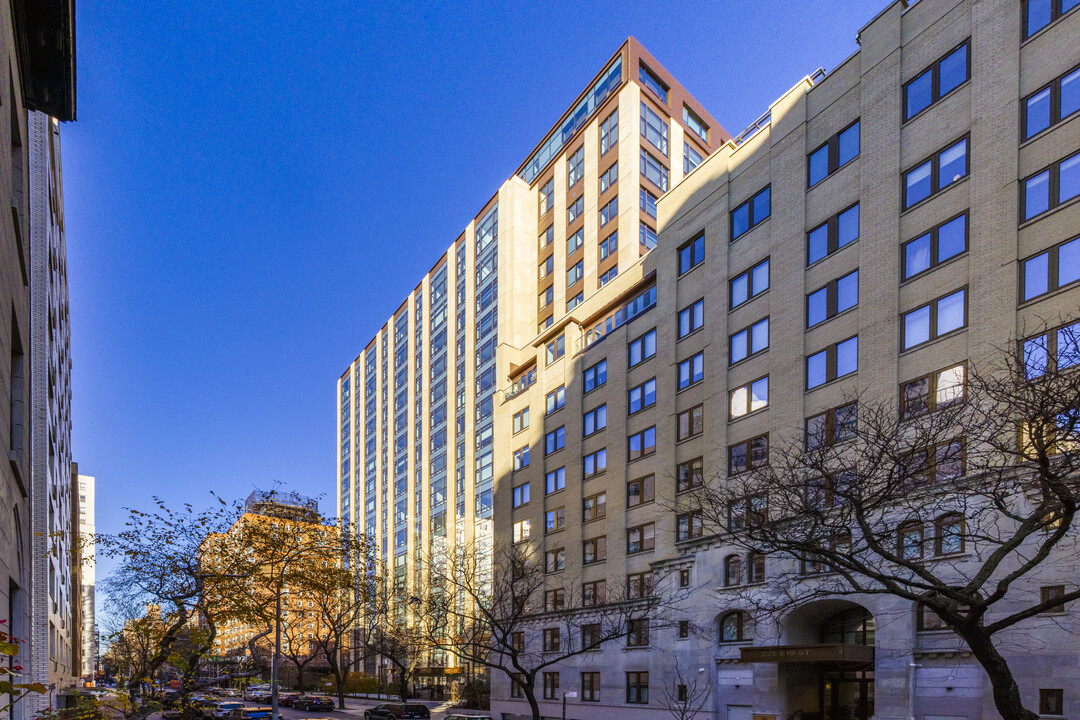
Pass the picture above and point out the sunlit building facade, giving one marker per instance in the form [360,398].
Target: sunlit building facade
[420,411]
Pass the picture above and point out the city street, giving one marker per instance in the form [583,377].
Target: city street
[354,708]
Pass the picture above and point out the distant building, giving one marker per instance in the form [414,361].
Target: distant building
[39,73]
[88,636]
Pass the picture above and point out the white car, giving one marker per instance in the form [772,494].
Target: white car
[224,707]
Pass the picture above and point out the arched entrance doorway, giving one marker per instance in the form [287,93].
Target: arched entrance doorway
[825,668]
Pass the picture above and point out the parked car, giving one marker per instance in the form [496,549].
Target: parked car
[288,699]
[396,711]
[224,707]
[459,716]
[313,702]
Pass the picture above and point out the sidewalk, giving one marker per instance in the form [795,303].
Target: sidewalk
[356,706]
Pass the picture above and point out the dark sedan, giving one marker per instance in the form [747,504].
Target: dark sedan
[397,711]
[313,702]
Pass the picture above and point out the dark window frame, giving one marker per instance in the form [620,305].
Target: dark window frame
[935,82]
[595,370]
[1054,200]
[934,233]
[679,387]
[1053,268]
[751,292]
[693,477]
[749,330]
[1054,86]
[642,404]
[1055,15]
[695,419]
[832,243]
[748,453]
[830,363]
[752,220]
[646,482]
[696,246]
[832,299]
[830,430]
[932,403]
[832,148]
[934,334]
[934,160]
[642,433]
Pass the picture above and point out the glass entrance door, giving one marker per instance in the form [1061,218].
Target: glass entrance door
[847,695]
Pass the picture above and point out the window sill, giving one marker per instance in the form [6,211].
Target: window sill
[594,562]
[932,268]
[633,648]
[939,193]
[746,302]
[932,341]
[1024,42]
[685,440]
[641,457]
[592,520]
[829,319]
[1050,294]
[834,172]
[635,412]
[748,230]
[640,504]
[1047,213]
[934,104]
[680,276]
[639,552]
[692,333]
[749,414]
[758,354]
[1047,130]
[692,385]
[827,383]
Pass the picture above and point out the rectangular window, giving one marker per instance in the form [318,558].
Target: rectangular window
[595,463]
[554,600]
[688,475]
[1048,188]
[595,376]
[648,203]
[932,392]
[609,212]
[521,420]
[590,681]
[609,132]
[654,129]
[749,284]
[594,550]
[692,254]
[609,177]
[639,585]
[642,396]
[516,686]
[575,273]
[1050,270]
[554,440]
[691,370]
[608,276]
[689,423]
[637,688]
[935,246]
[575,301]
[691,158]
[654,84]
[935,82]
[938,463]
[833,362]
[547,237]
[594,593]
[551,679]
[547,196]
[521,458]
[747,512]
[748,341]
[654,171]
[688,525]
[555,480]
[833,234]
[594,507]
[641,444]
[832,426]
[521,531]
[1049,593]
[1050,105]
[751,213]
[547,266]
[696,124]
[594,420]
[556,399]
[555,519]
[637,633]
[691,318]
[936,173]
[556,349]
[575,167]
[642,348]
[574,210]
[1041,13]
[648,237]
[639,491]
[833,154]
[640,538]
[609,245]
[1051,702]
[547,297]
[521,495]
[575,241]
[749,398]
[934,319]
[1058,349]
[555,560]
[748,454]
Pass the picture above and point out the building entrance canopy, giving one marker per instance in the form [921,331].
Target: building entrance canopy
[818,653]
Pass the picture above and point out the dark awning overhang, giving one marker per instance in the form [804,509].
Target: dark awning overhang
[821,653]
[45,43]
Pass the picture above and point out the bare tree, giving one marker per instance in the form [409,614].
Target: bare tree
[953,500]
[392,628]
[687,694]
[504,612]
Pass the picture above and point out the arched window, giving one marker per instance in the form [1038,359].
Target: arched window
[732,570]
[755,566]
[910,540]
[736,627]
[950,534]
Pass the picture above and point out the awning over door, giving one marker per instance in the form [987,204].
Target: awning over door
[820,653]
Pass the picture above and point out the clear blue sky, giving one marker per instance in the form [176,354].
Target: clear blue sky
[253,187]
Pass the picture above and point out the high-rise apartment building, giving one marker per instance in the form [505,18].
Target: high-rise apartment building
[87,571]
[37,41]
[421,409]
[53,547]
[881,229]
